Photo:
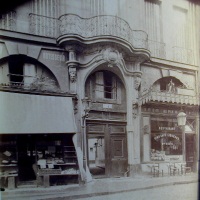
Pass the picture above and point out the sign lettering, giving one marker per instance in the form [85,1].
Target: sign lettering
[54,57]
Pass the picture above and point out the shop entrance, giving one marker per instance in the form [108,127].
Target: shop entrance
[191,151]
[26,157]
[107,150]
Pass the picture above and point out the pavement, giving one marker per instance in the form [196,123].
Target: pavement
[98,187]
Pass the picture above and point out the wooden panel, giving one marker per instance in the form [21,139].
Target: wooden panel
[117,148]
[118,162]
[95,128]
[96,115]
[116,116]
[118,129]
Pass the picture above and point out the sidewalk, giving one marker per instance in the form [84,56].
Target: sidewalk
[98,187]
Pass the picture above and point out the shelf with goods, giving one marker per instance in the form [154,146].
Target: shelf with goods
[8,158]
[57,160]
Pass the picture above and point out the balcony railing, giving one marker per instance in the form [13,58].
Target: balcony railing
[31,83]
[183,55]
[157,49]
[164,96]
[7,21]
[100,26]
[43,25]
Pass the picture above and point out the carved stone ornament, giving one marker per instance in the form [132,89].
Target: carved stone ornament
[112,56]
[72,74]
[137,79]
[135,108]
[146,129]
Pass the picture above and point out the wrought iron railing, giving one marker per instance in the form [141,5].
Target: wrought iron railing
[7,21]
[157,49]
[32,83]
[183,55]
[100,26]
[43,25]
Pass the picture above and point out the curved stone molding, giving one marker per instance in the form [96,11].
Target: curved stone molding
[103,26]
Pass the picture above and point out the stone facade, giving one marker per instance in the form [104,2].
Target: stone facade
[142,45]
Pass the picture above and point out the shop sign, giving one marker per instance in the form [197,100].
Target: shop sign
[174,158]
[53,56]
[107,106]
[169,140]
[163,135]
[166,128]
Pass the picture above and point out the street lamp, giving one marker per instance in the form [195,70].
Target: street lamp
[86,102]
[181,118]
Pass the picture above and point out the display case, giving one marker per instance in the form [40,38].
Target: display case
[56,159]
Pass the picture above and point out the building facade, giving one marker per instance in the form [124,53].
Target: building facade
[95,87]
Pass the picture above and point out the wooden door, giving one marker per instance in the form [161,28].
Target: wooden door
[115,146]
[191,151]
[116,150]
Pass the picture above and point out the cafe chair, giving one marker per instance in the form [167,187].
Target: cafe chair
[185,169]
[173,169]
[156,171]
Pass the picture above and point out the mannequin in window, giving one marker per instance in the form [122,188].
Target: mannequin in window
[171,87]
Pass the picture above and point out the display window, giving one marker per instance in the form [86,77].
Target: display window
[166,140]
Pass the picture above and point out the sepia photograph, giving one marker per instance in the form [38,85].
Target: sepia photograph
[99,99]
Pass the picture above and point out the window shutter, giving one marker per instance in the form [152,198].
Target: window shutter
[99,85]
[114,88]
[29,73]
[4,78]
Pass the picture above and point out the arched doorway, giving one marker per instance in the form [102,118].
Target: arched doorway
[106,125]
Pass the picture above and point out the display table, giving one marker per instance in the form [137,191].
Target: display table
[11,180]
[46,178]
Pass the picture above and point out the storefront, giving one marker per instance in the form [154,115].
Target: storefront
[162,138]
[36,144]
[166,140]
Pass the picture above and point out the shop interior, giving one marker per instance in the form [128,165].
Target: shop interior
[32,156]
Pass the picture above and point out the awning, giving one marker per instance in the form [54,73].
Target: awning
[28,113]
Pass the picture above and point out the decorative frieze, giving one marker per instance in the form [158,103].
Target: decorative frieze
[153,96]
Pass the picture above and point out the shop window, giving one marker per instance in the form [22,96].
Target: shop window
[166,141]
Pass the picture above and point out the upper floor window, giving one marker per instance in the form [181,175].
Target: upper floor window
[104,86]
[23,72]
[168,84]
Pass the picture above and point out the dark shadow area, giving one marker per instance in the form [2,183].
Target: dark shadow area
[11,5]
